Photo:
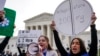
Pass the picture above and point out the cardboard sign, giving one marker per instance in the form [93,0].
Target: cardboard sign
[25,37]
[73,16]
[7,25]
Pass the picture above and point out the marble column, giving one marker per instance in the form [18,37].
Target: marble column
[42,29]
[36,27]
[49,35]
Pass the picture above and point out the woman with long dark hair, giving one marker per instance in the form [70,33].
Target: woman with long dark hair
[77,47]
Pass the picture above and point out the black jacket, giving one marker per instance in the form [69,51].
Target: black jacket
[4,43]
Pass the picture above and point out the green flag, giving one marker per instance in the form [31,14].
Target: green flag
[7,26]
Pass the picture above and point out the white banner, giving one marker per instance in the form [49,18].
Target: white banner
[26,37]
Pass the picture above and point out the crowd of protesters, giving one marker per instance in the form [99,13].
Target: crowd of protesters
[77,47]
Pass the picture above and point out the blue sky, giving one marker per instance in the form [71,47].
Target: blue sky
[29,8]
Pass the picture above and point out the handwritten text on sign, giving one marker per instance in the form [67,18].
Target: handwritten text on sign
[73,16]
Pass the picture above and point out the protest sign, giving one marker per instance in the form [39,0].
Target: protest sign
[73,16]
[7,25]
[25,37]
[2,3]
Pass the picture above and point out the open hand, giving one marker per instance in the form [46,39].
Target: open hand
[53,25]
[93,18]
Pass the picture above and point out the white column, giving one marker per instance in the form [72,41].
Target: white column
[31,28]
[49,34]
[36,27]
[48,31]
[42,29]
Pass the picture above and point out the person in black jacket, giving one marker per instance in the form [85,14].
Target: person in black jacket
[77,47]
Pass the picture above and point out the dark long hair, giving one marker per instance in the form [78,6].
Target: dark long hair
[49,47]
[82,46]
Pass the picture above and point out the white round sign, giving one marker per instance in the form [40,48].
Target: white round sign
[73,16]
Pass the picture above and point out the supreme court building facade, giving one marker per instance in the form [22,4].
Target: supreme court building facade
[42,22]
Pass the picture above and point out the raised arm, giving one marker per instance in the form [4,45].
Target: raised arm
[93,46]
[58,42]
[19,50]
[4,43]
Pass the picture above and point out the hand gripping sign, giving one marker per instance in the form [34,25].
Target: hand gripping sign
[73,16]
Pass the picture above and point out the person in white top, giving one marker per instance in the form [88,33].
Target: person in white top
[45,48]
